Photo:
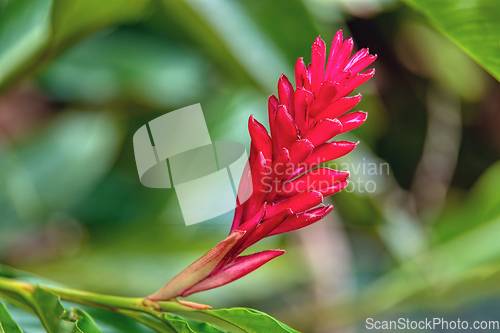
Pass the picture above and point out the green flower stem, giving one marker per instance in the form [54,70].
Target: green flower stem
[16,287]
[17,293]
[154,308]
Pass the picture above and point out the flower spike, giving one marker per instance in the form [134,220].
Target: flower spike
[288,186]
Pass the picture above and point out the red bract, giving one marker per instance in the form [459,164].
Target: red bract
[286,184]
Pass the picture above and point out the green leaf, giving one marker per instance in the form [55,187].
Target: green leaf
[7,324]
[55,318]
[241,320]
[85,322]
[26,319]
[472,25]
[51,312]
[436,57]
[181,325]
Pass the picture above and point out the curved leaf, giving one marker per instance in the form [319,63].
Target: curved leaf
[7,324]
[181,325]
[472,25]
[85,322]
[239,320]
[51,312]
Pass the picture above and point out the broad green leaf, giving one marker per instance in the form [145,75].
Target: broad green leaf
[27,320]
[51,312]
[197,326]
[474,25]
[7,324]
[55,318]
[86,319]
[239,320]
[181,325]
[435,57]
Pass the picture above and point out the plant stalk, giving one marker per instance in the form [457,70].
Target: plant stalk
[140,304]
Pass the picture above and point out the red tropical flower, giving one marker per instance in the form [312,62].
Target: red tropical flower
[286,184]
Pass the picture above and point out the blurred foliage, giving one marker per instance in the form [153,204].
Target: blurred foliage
[79,77]
[33,32]
[104,69]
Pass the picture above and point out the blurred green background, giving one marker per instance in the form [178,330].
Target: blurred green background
[417,234]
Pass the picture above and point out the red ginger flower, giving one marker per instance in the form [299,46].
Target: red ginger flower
[286,185]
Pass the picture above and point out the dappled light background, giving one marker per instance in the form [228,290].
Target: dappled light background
[415,234]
